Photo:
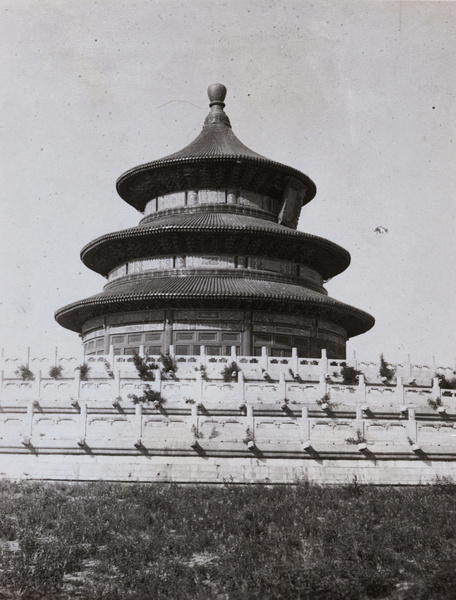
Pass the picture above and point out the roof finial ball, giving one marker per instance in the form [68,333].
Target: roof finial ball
[216,93]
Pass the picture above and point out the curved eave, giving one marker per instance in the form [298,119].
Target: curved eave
[183,292]
[144,182]
[109,251]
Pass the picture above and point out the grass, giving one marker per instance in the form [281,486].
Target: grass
[112,541]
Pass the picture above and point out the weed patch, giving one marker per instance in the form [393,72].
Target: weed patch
[103,541]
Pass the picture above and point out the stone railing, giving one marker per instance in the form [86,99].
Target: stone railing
[258,420]
[198,386]
[102,423]
[293,366]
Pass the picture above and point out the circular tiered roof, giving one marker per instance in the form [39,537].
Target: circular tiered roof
[215,159]
[216,232]
[210,292]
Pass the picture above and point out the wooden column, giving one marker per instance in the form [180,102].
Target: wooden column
[246,344]
[168,334]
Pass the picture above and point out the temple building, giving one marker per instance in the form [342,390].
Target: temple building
[216,260]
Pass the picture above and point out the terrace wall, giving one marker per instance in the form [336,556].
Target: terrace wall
[279,420]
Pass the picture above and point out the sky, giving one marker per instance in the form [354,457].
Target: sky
[359,95]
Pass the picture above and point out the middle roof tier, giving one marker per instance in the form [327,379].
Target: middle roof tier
[213,232]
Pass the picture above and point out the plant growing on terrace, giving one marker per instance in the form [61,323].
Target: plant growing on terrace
[360,439]
[294,375]
[446,384]
[350,375]
[202,370]
[266,376]
[214,433]
[197,434]
[435,404]
[169,366]
[148,395]
[230,372]
[386,371]
[325,402]
[56,372]
[249,436]
[144,369]
[108,368]
[25,373]
[83,371]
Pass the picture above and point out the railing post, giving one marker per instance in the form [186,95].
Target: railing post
[436,389]
[114,384]
[203,356]
[361,389]
[250,419]
[117,383]
[305,429]
[241,387]
[264,358]
[157,384]
[30,411]
[282,387]
[408,367]
[352,362]
[400,391]
[193,421]
[294,361]
[359,420]
[322,385]
[199,387]
[138,419]
[77,383]
[38,385]
[323,362]
[83,419]
[412,431]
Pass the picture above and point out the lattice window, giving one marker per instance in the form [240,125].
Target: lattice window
[184,336]
[213,350]
[134,338]
[183,350]
[152,350]
[231,337]
[283,340]
[207,337]
[153,337]
[263,338]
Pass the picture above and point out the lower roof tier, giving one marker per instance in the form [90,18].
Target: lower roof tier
[210,292]
[214,232]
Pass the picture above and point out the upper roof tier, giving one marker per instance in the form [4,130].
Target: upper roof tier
[216,159]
